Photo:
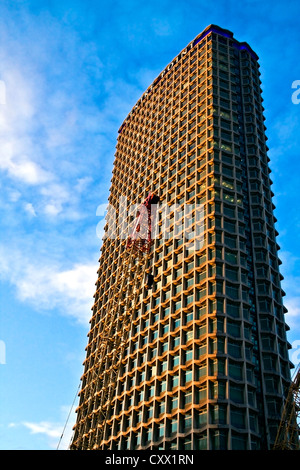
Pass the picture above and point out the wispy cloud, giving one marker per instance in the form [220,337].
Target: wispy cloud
[30,209]
[46,285]
[18,152]
[50,124]
[292,303]
[58,438]
[44,427]
[50,149]
[57,435]
[58,129]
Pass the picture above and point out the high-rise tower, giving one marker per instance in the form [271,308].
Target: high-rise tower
[202,362]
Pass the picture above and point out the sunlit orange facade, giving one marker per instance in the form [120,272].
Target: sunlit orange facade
[206,363]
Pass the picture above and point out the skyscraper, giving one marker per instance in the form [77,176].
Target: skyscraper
[198,357]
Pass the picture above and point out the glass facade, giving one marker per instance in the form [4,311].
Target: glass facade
[206,363]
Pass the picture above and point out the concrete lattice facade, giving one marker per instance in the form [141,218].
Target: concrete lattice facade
[206,365]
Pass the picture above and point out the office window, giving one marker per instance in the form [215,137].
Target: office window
[235,370]
[236,393]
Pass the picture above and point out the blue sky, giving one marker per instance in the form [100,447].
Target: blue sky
[72,72]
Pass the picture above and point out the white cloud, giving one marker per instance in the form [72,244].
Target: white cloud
[39,133]
[44,427]
[30,209]
[52,209]
[55,196]
[27,171]
[53,122]
[52,432]
[17,125]
[58,435]
[70,290]
[17,165]
[45,285]
[82,184]
[292,303]
[293,306]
